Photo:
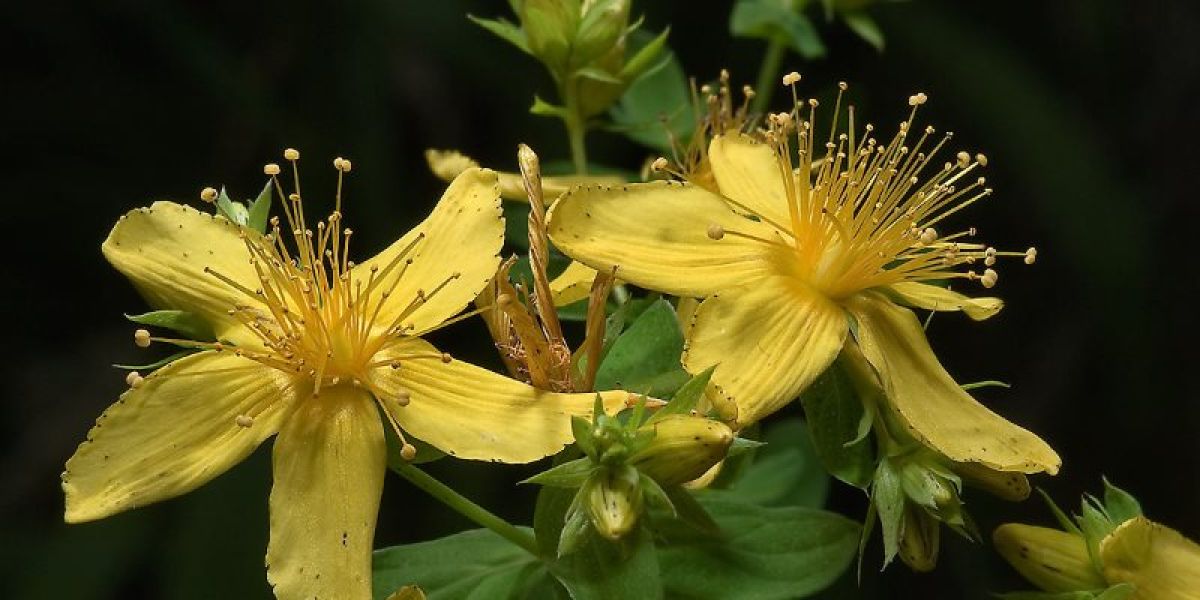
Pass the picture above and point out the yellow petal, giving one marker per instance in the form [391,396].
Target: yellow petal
[657,235]
[770,340]
[329,461]
[573,284]
[936,410]
[164,249]
[174,432]
[933,297]
[448,164]
[457,256]
[748,173]
[470,412]
[1051,559]
[1161,563]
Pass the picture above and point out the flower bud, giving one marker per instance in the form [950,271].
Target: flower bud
[614,501]
[683,448]
[550,27]
[927,487]
[1005,485]
[920,539]
[600,28]
[1053,560]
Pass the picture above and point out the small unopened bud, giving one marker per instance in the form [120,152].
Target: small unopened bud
[291,154]
[614,501]
[683,448]
[271,169]
[208,195]
[716,231]
[1053,560]
[920,539]
[141,337]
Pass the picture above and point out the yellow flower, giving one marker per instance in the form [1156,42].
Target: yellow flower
[791,258]
[312,348]
[1158,562]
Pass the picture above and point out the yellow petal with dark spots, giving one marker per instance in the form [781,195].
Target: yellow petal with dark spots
[329,461]
[1157,560]
[769,340]
[930,403]
[748,173]
[182,426]
[470,412]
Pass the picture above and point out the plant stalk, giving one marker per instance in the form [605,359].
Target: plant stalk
[768,76]
[465,507]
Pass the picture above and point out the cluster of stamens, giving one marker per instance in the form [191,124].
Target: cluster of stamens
[313,314]
[862,213]
[716,113]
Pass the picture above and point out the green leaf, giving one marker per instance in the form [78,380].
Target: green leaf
[983,384]
[234,211]
[862,24]
[771,20]
[158,363]
[504,30]
[646,58]
[516,224]
[188,325]
[1049,596]
[1121,591]
[764,553]
[476,565]
[1119,504]
[549,517]
[685,398]
[600,569]
[567,475]
[887,494]
[786,472]
[644,359]
[690,511]
[834,413]
[657,106]
[260,210]
[545,109]
[598,74]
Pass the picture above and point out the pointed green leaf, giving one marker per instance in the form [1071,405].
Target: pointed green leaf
[260,210]
[504,30]
[472,564]
[232,210]
[687,396]
[545,109]
[188,325]
[567,475]
[648,56]
[1120,505]
[600,569]
[887,495]
[862,24]
[835,414]
[649,348]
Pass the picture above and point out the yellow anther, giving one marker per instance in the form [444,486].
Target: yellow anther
[446,358]
[208,195]
[981,159]
[133,379]
[291,154]
[1031,256]
[403,398]
[341,164]
[716,231]
[917,99]
[408,451]
[929,236]
[271,169]
[964,159]
[141,337]
[748,92]
[791,78]
[659,165]
[843,86]
[244,420]
[989,278]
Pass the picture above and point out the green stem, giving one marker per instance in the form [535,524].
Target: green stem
[768,75]
[576,127]
[465,507]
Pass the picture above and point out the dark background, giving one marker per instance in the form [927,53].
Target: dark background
[1086,110]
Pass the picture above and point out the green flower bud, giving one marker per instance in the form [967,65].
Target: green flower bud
[600,29]
[1051,559]
[928,486]
[920,539]
[614,501]
[550,27]
[683,448]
